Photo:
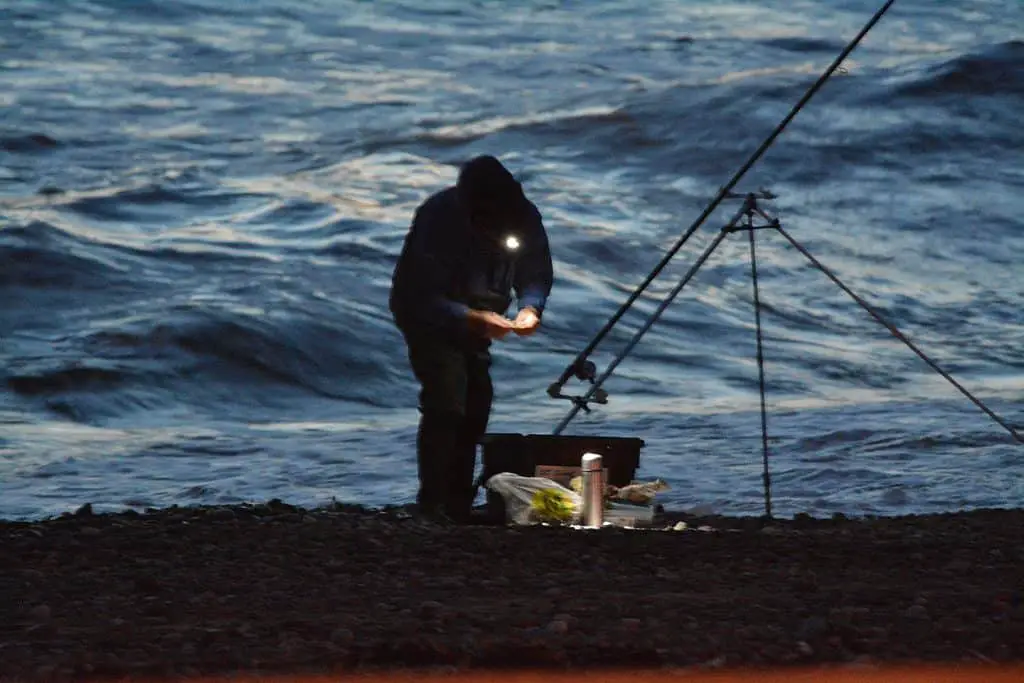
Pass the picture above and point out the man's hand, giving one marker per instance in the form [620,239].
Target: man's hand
[527,322]
[489,324]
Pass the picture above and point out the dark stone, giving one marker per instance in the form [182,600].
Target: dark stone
[179,590]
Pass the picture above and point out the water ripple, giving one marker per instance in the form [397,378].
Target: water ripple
[201,203]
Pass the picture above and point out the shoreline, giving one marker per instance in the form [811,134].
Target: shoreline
[273,588]
[396,512]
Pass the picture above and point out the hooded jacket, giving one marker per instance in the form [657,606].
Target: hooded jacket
[448,266]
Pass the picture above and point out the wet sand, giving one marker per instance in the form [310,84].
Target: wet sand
[271,589]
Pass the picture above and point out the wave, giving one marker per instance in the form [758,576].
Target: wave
[996,70]
[172,324]
[201,355]
[69,378]
[708,128]
[554,122]
[159,201]
[317,355]
[696,128]
[40,255]
[30,142]
[804,44]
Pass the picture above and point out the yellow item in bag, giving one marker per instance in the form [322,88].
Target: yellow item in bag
[552,505]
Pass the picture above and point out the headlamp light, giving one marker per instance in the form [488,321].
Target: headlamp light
[511,243]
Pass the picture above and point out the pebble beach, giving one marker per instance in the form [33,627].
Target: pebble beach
[277,589]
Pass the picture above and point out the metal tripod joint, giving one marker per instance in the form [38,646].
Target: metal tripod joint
[751,209]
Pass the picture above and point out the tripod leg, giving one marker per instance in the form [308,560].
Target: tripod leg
[899,335]
[760,373]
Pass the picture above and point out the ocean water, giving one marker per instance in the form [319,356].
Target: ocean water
[201,203]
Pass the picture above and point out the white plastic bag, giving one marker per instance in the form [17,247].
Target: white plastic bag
[528,500]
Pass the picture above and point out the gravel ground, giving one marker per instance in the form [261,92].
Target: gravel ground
[274,588]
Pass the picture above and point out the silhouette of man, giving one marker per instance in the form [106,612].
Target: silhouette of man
[470,246]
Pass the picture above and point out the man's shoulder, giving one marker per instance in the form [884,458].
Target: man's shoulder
[437,217]
[533,217]
[533,212]
[441,201]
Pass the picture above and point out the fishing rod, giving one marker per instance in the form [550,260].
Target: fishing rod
[585,369]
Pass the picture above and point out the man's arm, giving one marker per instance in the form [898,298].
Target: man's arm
[534,273]
[430,265]
[433,248]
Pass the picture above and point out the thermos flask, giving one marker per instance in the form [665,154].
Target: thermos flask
[593,489]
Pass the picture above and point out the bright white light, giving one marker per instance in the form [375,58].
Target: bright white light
[511,242]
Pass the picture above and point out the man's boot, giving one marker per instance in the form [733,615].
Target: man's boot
[436,442]
[461,487]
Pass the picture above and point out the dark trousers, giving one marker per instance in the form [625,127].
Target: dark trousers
[455,405]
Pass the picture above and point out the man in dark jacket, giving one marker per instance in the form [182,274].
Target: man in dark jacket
[469,248]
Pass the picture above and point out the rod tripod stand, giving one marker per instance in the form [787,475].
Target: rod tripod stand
[750,218]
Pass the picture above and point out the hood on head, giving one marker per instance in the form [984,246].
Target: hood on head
[488,189]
